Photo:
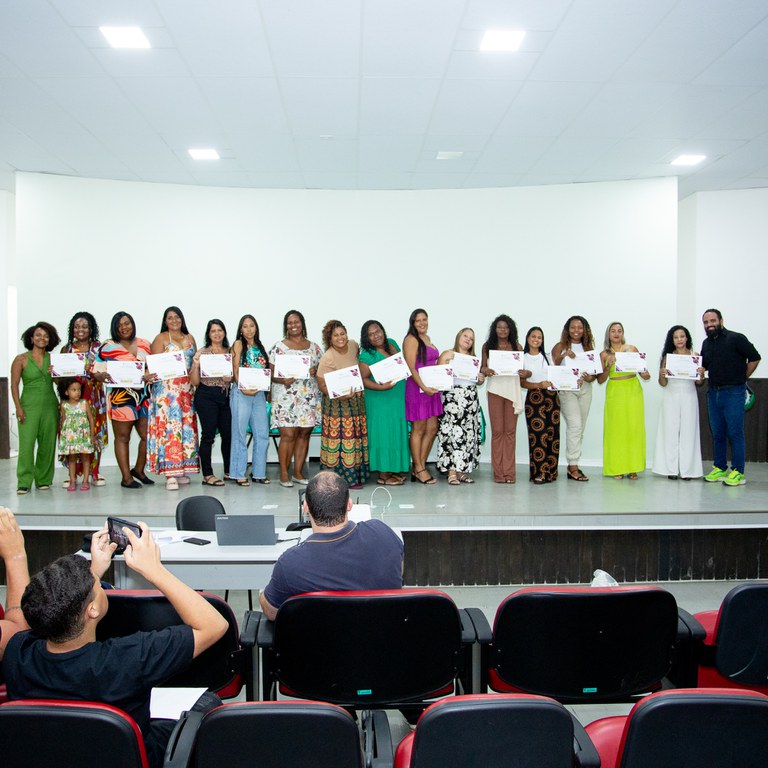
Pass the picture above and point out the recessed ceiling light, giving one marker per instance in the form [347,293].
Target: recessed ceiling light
[502,40]
[203,154]
[125,37]
[447,155]
[688,159]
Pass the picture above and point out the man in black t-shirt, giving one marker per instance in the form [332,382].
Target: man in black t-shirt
[60,658]
[730,358]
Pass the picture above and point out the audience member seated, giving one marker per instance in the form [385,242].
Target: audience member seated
[340,555]
[60,657]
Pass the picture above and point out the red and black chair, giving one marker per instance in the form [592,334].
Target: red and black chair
[368,650]
[275,734]
[734,651]
[223,668]
[40,734]
[580,644]
[497,731]
[717,727]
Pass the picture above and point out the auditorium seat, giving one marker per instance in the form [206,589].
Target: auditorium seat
[580,644]
[275,734]
[42,733]
[717,728]
[497,731]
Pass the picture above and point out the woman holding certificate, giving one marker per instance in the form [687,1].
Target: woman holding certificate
[505,398]
[127,406]
[423,404]
[249,406]
[212,397]
[678,446]
[83,338]
[542,411]
[624,415]
[344,440]
[36,408]
[295,396]
[172,433]
[575,340]
[384,407]
[458,436]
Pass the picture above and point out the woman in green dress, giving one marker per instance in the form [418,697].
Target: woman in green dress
[385,408]
[37,409]
[624,415]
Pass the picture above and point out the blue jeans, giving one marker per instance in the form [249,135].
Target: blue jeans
[726,420]
[248,410]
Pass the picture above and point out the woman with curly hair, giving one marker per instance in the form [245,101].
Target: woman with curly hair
[83,338]
[575,339]
[37,409]
[344,439]
[172,423]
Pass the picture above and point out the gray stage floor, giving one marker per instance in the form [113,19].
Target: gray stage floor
[651,501]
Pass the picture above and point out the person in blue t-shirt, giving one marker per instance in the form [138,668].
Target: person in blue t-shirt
[339,555]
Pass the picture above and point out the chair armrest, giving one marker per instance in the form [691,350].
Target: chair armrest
[687,651]
[482,628]
[178,753]
[583,749]
[249,628]
[694,627]
[468,633]
[265,636]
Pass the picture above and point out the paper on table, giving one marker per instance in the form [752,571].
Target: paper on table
[392,368]
[254,378]
[67,364]
[215,366]
[343,382]
[505,362]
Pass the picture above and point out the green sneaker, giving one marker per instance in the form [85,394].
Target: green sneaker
[735,478]
[716,474]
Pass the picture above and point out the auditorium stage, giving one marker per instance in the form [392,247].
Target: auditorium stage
[652,529]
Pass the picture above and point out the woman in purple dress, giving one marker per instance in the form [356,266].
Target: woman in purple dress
[423,404]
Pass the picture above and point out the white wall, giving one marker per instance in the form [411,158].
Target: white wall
[607,251]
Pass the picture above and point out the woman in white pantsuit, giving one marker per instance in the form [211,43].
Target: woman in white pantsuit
[678,447]
[574,406]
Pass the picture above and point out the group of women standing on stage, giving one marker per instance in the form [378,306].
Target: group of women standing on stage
[388,428]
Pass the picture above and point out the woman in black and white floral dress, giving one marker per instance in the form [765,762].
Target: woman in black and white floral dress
[458,437]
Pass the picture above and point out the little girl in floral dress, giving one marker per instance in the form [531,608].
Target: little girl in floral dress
[76,432]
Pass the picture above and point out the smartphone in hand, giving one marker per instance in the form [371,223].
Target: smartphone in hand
[115,527]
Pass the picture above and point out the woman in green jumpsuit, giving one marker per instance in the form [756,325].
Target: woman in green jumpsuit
[37,409]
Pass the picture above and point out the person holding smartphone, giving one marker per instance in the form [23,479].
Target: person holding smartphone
[63,605]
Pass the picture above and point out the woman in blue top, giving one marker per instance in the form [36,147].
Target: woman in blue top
[248,406]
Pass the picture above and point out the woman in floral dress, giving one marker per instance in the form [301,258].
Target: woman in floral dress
[172,433]
[295,402]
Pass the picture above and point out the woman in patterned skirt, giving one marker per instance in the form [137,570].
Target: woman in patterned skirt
[458,436]
[542,411]
[344,440]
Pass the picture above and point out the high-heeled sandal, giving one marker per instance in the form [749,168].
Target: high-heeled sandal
[415,476]
[453,478]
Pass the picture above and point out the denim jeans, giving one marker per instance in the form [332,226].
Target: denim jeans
[248,410]
[726,419]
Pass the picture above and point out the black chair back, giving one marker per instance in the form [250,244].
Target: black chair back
[198,513]
[583,644]
[41,734]
[219,668]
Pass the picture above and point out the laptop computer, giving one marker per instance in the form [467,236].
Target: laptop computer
[245,530]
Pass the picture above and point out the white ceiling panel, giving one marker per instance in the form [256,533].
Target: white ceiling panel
[600,90]
[313,39]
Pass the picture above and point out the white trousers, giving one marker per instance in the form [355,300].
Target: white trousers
[574,407]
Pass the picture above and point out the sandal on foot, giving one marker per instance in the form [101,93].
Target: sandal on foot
[576,474]
[394,480]
[261,480]
[71,487]
[453,478]
[465,478]
[213,480]
[416,476]
[171,484]
[633,476]
[99,481]
[183,480]
[244,482]
[85,487]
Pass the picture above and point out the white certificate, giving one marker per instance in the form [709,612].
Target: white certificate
[343,382]
[125,373]
[586,362]
[464,366]
[215,366]
[392,368]
[167,365]
[630,362]
[292,366]
[505,363]
[683,366]
[67,364]
[254,378]
[563,377]
[437,377]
